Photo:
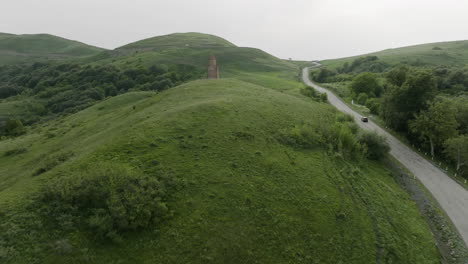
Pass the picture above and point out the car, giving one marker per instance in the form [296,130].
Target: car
[364,119]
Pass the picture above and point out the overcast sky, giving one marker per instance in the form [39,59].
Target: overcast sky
[300,29]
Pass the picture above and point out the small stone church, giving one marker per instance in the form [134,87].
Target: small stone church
[213,70]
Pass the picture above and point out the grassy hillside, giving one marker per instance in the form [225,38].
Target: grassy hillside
[41,47]
[454,53]
[240,187]
[194,49]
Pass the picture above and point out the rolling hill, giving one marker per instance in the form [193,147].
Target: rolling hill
[244,169]
[193,49]
[41,47]
[453,53]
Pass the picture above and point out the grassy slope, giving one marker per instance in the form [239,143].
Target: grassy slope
[248,64]
[41,47]
[454,53]
[243,199]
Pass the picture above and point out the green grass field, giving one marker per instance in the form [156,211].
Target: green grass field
[237,193]
[454,53]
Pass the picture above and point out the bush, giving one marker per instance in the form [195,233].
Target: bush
[13,128]
[375,146]
[106,200]
[323,97]
[366,83]
[300,137]
[362,99]
[309,92]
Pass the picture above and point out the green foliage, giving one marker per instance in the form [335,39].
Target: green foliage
[456,149]
[324,97]
[322,75]
[14,128]
[374,105]
[106,200]
[436,124]
[397,76]
[362,98]
[309,92]
[400,104]
[363,64]
[375,146]
[16,151]
[68,88]
[52,161]
[366,83]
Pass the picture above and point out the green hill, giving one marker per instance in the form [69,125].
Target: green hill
[178,40]
[194,49]
[41,47]
[453,53]
[243,169]
[240,190]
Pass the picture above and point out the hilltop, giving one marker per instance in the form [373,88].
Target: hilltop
[193,49]
[41,47]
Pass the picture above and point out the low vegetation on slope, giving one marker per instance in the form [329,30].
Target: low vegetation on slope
[16,49]
[212,171]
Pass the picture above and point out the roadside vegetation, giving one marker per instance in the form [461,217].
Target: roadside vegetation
[425,103]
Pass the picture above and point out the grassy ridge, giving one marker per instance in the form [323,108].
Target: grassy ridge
[242,196]
[41,47]
[454,53]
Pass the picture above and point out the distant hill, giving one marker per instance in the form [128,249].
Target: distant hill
[193,49]
[179,40]
[41,47]
[453,53]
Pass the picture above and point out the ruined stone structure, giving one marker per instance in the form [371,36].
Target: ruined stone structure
[213,70]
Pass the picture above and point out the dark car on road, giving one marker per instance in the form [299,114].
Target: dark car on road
[364,119]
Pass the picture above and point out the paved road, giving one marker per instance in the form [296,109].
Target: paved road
[452,197]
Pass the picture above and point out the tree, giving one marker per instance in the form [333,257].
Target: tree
[375,145]
[457,149]
[397,76]
[436,124]
[401,103]
[362,99]
[365,83]
[323,74]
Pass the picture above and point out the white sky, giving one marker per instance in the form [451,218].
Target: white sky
[300,29]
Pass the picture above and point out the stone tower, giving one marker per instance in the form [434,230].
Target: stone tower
[213,70]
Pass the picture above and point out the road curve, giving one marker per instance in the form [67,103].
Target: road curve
[452,197]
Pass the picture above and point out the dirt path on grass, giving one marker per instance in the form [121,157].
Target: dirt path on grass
[452,197]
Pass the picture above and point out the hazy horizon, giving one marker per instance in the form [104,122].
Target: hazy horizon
[301,30]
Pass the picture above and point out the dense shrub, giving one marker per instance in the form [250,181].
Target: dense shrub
[375,146]
[362,98]
[304,136]
[366,83]
[13,128]
[105,200]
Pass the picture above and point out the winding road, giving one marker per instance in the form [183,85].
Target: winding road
[452,197]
